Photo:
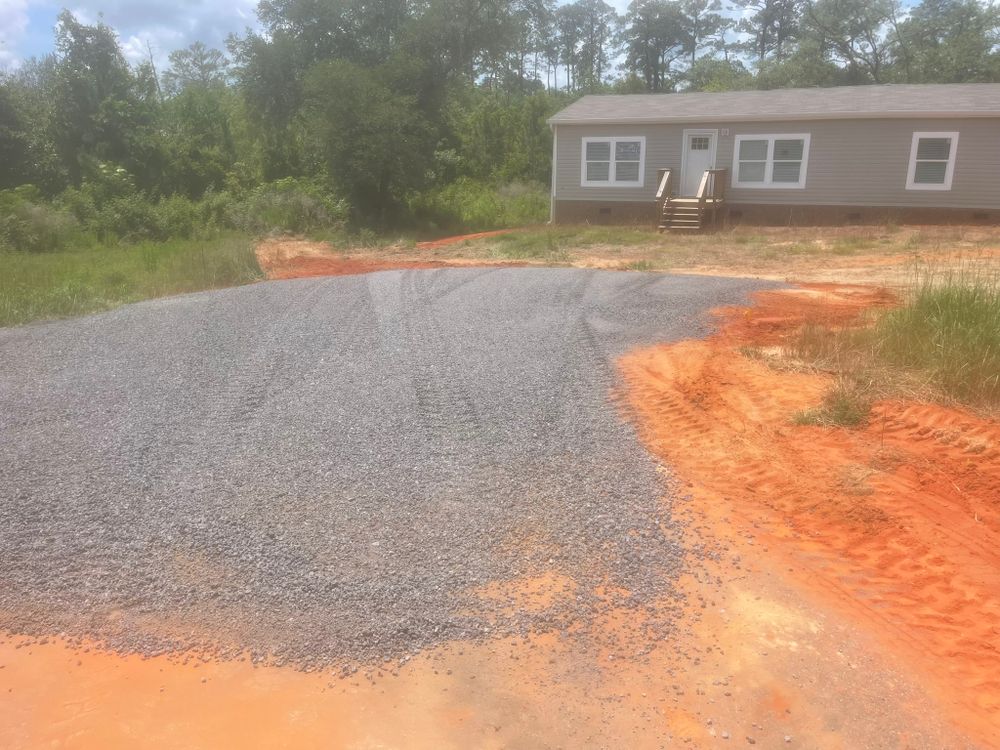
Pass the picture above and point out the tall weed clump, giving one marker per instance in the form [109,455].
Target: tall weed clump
[942,342]
[30,224]
[468,205]
[287,205]
[950,330]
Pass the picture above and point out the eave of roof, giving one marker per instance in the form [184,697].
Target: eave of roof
[764,117]
[884,101]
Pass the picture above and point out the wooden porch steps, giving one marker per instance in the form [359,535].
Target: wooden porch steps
[690,214]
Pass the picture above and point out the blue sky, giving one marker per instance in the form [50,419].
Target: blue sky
[26,26]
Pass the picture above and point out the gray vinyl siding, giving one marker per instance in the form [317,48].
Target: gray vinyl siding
[851,162]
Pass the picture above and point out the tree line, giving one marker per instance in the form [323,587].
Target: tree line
[389,103]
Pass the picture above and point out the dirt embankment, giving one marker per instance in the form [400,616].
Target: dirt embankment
[285,258]
[896,525]
[295,259]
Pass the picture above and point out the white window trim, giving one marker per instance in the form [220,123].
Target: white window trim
[949,171]
[769,163]
[612,182]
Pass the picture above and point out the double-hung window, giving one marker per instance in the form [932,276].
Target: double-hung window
[770,161]
[932,161]
[614,162]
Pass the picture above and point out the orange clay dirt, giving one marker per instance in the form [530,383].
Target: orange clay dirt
[896,525]
[850,604]
[287,258]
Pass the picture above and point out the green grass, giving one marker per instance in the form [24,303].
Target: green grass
[36,286]
[640,265]
[532,243]
[943,342]
[850,245]
[950,331]
[846,405]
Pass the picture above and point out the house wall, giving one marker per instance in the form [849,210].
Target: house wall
[852,163]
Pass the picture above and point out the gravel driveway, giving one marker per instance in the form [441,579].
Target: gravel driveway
[326,471]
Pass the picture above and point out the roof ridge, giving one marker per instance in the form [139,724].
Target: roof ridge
[829,102]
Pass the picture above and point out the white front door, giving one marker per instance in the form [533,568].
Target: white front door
[699,155]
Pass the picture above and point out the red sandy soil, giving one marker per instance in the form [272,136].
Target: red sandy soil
[295,259]
[896,525]
[457,239]
[298,258]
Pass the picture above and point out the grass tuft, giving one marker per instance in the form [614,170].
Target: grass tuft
[950,331]
[846,405]
[942,343]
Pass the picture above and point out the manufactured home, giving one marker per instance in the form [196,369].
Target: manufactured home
[853,153]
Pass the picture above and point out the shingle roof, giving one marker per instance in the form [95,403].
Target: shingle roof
[842,102]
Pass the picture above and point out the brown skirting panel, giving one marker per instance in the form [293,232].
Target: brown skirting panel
[604,212]
[622,212]
[768,215]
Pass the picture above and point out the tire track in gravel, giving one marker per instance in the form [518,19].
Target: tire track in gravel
[326,472]
[445,401]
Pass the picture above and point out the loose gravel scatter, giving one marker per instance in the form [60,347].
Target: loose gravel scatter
[327,472]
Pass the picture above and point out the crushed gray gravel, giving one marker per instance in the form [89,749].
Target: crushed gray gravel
[326,471]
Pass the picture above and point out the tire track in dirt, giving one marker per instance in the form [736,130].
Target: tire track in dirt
[898,523]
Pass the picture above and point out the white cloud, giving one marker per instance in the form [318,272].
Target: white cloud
[158,41]
[160,25]
[166,26]
[13,24]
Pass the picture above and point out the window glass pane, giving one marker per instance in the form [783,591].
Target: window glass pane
[627,150]
[788,149]
[599,151]
[753,150]
[786,171]
[751,171]
[930,172]
[934,148]
[598,171]
[699,143]
[627,171]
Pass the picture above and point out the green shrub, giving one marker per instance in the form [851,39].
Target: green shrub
[179,217]
[469,206]
[130,218]
[103,181]
[29,224]
[296,206]
[288,205]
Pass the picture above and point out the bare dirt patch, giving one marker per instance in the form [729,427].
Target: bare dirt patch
[761,665]
[460,238]
[300,258]
[885,256]
[897,525]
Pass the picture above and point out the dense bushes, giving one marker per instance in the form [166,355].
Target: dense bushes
[28,223]
[103,213]
[288,205]
[111,210]
[468,205]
